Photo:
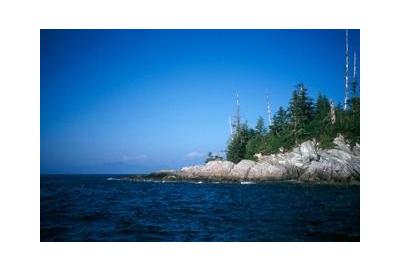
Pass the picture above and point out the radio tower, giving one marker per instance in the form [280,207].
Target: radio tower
[235,125]
[354,82]
[237,120]
[346,73]
[269,112]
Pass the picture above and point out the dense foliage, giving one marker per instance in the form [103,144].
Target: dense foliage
[302,120]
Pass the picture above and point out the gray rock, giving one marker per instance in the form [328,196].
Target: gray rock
[241,170]
[339,155]
[334,165]
[356,150]
[308,151]
[340,143]
[191,171]
[217,168]
[317,170]
[267,171]
[294,159]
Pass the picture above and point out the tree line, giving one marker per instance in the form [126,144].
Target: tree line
[303,119]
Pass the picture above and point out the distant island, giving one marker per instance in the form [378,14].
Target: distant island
[306,141]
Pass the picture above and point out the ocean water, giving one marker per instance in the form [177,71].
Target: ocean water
[103,208]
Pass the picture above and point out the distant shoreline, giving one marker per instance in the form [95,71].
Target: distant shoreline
[306,162]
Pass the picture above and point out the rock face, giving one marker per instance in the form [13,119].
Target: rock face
[306,162]
[213,169]
[267,171]
[241,170]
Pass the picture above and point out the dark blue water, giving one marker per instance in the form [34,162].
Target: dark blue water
[91,208]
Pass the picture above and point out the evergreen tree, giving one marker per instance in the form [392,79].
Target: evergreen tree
[301,112]
[355,119]
[280,122]
[280,135]
[237,145]
[322,108]
[260,126]
[321,126]
[254,146]
[300,122]
[348,121]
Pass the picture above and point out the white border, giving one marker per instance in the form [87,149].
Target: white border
[20,108]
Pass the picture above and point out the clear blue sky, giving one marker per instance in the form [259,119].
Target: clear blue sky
[133,101]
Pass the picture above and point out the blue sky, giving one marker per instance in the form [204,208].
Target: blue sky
[134,101]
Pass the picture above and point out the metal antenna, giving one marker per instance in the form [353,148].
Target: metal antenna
[346,73]
[269,112]
[354,82]
[237,112]
[332,111]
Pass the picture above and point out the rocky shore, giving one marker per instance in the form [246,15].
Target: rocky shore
[307,162]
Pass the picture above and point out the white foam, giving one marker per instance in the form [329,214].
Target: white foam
[246,183]
[112,179]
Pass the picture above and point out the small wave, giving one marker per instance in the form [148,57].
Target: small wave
[112,179]
[246,182]
[199,182]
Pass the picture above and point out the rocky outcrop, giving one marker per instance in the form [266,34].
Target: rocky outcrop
[242,169]
[306,162]
[213,169]
[267,171]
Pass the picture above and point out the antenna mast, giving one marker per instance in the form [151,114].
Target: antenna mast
[269,112]
[354,82]
[333,115]
[237,124]
[346,74]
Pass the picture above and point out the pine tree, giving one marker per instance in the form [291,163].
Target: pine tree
[280,122]
[280,135]
[260,126]
[322,108]
[299,122]
[237,146]
[301,112]
[348,121]
[321,126]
